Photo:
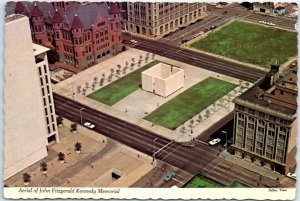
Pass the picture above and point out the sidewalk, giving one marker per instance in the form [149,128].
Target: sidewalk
[251,166]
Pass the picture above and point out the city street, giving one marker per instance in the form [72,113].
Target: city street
[185,158]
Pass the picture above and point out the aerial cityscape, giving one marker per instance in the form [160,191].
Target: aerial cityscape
[150,94]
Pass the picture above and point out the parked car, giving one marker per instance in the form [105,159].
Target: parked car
[291,175]
[169,176]
[89,125]
[215,141]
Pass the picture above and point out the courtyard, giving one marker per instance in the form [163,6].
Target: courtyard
[189,103]
[250,43]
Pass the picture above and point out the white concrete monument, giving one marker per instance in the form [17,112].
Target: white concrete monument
[162,79]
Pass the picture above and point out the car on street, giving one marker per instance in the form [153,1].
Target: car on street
[89,125]
[291,175]
[169,176]
[133,41]
[214,141]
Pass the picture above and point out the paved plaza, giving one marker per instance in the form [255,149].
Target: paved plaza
[140,103]
[99,156]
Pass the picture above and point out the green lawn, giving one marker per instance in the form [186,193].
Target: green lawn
[189,103]
[121,88]
[237,184]
[200,181]
[250,43]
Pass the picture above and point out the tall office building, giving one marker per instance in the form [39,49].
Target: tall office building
[159,19]
[25,128]
[265,122]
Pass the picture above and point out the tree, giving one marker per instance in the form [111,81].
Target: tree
[101,82]
[183,129]
[132,65]
[141,57]
[191,123]
[199,118]
[26,178]
[93,86]
[83,91]
[44,167]
[59,120]
[119,67]
[53,56]
[73,127]
[103,75]
[61,157]
[78,147]
[95,80]
[132,59]
[126,64]
[207,112]
[78,89]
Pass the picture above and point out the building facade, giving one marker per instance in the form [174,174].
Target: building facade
[265,123]
[25,128]
[266,7]
[82,33]
[41,63]
[158,19]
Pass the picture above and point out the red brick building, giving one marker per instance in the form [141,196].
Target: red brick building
[82,33]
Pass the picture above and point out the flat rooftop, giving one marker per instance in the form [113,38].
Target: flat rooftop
[255,93]
[38,49]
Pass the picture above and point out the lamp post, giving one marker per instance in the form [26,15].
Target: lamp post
[154,140]
[81,115]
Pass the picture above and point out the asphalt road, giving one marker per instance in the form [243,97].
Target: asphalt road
[199,159]
[201,60]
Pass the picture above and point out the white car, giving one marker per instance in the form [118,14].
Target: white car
[89,125]
[133,41]
[272,24]
[291,175]
[214,141]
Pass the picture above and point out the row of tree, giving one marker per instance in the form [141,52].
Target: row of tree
[44,166]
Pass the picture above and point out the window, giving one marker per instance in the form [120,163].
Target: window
[40,71]
[269,155]
[240,122]
[45,68]
[281,136]
[281,92]
[261,129]
[259,144]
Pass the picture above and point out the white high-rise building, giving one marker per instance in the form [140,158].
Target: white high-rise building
[28,103]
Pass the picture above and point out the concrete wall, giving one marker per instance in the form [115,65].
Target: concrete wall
[162,79]
[25,133]
[159,86]
[174,82]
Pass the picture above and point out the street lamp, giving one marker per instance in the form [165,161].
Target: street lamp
[154,140]
[225,132]
[81,115]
